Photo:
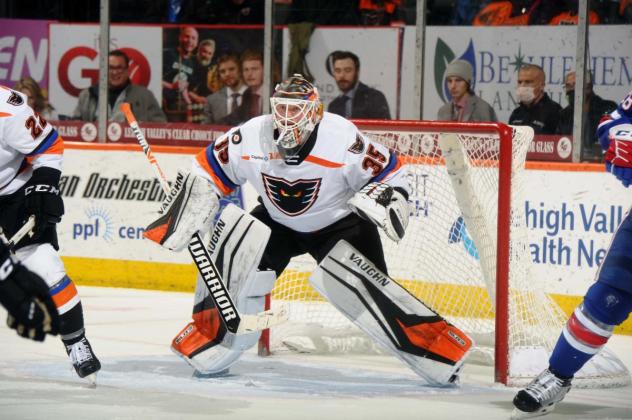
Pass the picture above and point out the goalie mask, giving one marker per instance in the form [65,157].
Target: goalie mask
[296,109]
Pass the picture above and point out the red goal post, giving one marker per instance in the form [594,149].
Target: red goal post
[505,135]
[465,253]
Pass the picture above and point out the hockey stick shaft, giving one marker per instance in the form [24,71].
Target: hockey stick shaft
[27,228]
[233,321]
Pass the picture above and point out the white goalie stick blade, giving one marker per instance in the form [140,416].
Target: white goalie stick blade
[263,320]
[405,326]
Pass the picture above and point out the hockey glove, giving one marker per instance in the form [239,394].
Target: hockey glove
[384,206]
[190,207]
[32,312]
[619,152]
[42,199]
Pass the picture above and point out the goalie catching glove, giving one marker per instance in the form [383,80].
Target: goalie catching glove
[189,207]
[383,205]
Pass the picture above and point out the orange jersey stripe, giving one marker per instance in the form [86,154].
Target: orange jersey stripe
[56,148]
[201,158]
[323,162]
[65,295]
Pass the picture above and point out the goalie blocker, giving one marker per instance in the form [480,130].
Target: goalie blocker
[388,313]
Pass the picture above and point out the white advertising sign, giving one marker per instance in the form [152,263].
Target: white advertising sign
[377,49]
[571,217]
[110,197]
[74,59]
[497,52]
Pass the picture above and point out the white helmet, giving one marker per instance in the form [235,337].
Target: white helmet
[296,109]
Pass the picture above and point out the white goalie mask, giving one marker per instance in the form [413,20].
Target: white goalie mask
[296,109]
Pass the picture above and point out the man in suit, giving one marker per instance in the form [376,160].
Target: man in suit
[357,99]
[465,106]
[251,103]
[227,99]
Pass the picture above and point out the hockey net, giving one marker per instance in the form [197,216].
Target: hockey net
[465,254]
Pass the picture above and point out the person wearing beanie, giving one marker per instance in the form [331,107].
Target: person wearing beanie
[464,105]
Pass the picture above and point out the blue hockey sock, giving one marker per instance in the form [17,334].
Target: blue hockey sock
[589,328]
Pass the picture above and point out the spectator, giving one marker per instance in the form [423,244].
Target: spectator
[120,89]
[178,65]
[357,99]
[227,99]
[204,80]
[594,108]
[378,12]
[240,12]
[535,108]
[569,14]
[616,11]
[464,11]
[323,12]
[252,72]
[465,105]
[36,97]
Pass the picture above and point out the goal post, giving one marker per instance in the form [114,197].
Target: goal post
[465,254]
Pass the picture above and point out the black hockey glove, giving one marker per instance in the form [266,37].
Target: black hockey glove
[32,312]
[42,199]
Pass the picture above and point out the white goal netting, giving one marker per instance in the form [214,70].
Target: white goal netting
[449,255]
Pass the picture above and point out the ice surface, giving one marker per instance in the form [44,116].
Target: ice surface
[130,330]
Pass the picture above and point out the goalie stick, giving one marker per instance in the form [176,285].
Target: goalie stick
[235,323]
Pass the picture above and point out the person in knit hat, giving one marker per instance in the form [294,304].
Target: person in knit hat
[464,104]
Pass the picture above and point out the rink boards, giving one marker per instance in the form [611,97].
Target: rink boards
[110,196]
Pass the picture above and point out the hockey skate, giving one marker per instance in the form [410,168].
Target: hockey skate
[84,360]
[540,396]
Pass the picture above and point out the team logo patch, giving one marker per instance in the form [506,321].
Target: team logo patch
[15,99]
[291,198]
[235,138]
[358,146]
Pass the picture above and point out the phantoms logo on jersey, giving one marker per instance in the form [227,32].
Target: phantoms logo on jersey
[291,198]
[15,99]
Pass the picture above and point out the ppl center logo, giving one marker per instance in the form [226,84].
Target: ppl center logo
[139,69]
[99,225]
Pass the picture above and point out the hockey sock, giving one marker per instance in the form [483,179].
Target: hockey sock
[68,304]
[589,328]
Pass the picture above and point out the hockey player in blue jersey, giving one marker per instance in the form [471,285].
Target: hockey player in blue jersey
[608,302]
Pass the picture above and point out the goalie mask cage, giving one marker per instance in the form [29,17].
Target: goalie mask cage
[465,254]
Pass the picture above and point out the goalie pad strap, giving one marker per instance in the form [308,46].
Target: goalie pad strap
[388,313]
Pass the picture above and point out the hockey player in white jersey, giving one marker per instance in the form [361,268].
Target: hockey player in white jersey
[324,189]
[608,302]
[31,154]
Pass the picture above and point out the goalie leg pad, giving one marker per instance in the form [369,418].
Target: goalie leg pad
[205,343]
[388,313]
[236,246]
[189,207]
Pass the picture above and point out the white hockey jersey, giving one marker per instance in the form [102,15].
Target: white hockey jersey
[27,142]
[309,195]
